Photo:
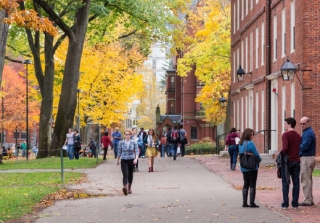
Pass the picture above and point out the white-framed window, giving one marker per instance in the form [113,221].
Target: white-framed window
[238,14]
[257,1]
[242,9]
[283,32]
[250,109]
[247,6]
[257,47]
[238,115]
[283,107]
[242,114]
[247,47]
[234,67]
[275,38]
[234,113]
[262,44]
[234,18]
[293,25]
[247,112]
[242,49]
[251,4]
[251,51]
[257,111]
[293,102]
[238,58]
[262,110]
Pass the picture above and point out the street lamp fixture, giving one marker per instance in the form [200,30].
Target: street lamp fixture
[288,70]
[27,62]
[223,101]
[240,74]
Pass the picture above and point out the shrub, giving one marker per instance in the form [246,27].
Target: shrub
[203,147]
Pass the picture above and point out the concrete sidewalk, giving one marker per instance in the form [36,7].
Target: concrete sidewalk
[269,187]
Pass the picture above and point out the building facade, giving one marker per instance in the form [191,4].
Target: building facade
[265,35]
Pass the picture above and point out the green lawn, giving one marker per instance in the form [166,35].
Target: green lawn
[316,173]
[21,191]
[51,163]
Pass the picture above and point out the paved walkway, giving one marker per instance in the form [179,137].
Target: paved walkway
[269,192]
[178,191]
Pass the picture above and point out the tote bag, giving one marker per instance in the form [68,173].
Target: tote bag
[248,161]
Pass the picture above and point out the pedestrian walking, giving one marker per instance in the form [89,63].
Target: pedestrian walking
[151,143]
[290,163]
[183,140]
[136,139]
[173,138]
[116,138]
[232,147]
[249,175]
[128,151]
[70,143]
[77,144]
[93,148]
[163,144]
[307,158]
[105,143]
[142,134]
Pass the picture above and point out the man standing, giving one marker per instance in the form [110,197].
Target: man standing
[116,138]
[142,134]
[290,153]
[183,135]
[307,154]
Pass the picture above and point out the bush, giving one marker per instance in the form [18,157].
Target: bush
[203,147]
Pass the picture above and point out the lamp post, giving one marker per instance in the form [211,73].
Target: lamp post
[288,70]
[27,109]
[78,119]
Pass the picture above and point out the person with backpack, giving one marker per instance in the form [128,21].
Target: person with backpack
[173,138]
[183,141]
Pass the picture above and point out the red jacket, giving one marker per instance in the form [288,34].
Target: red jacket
[105,141]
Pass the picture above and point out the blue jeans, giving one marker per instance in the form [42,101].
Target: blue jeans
[233,154]
[142,151]
[115,149]
[163,149]
[294,172]
[70,151]
[173,149]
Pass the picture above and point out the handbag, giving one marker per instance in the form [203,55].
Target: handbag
[185,141]
[64,147]
[248,161]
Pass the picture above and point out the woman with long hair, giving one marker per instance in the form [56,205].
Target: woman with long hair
[135,138]
[129,153]
[106,142]
[231,146]
[249,175]
[151,142]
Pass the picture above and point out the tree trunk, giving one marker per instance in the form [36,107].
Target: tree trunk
[68,97]
[3,41]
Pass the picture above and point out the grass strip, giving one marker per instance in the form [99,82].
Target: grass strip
[51,163]
[21,191]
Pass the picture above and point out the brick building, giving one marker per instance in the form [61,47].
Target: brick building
[263,35]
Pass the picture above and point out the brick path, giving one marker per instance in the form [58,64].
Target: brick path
[269,188]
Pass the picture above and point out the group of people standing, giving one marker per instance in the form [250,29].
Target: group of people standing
[295,160]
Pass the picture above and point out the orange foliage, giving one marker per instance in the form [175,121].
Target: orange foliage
[13,95]
[26,18]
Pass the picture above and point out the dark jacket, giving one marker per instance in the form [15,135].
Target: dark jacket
[282,162]
[308,143]
[169,138]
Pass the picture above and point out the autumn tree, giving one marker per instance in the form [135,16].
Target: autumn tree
[208,54]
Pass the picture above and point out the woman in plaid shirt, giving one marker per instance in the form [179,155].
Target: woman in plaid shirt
[129,153]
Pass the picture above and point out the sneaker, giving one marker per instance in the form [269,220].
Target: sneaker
[306,204]
[284,208]
[295,208]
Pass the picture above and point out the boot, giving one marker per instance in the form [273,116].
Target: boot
[149,169]
[252,197]
[152,169]
[233,166]
[245,197]
[125,189]
[129,189]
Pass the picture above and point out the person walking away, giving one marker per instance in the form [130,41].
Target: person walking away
[232,147]
[93,148]
[151,143]
[77,144]
[128,151]
[136,139]
[173,141]
[70,144]
[163,144]
[183,135]
[105,142]
[142,134]
[249,175]
[116,138]
[307,157]
[24,149]
[290,150]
